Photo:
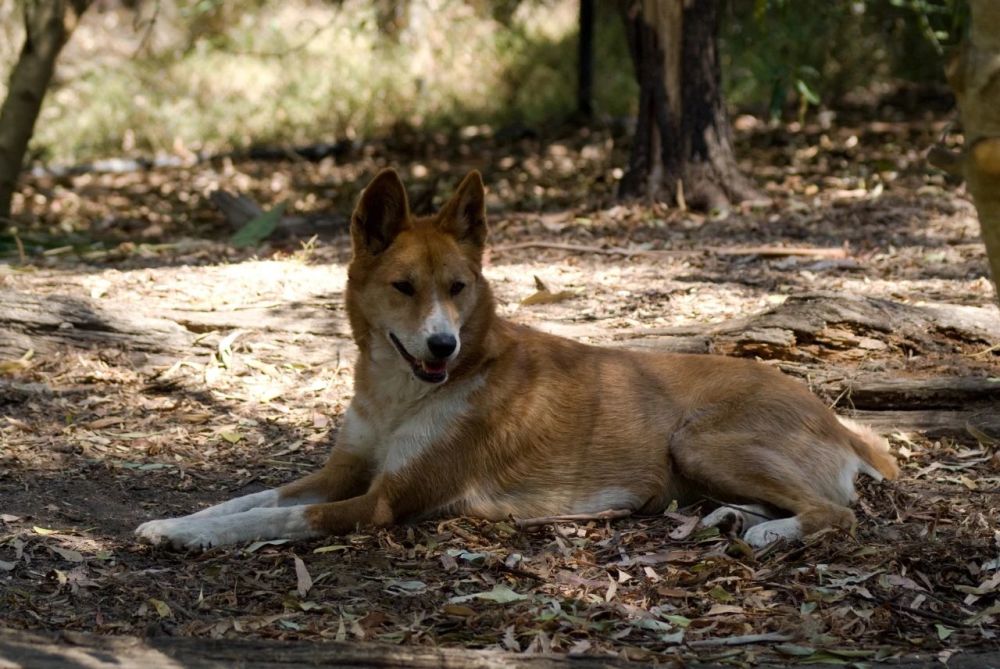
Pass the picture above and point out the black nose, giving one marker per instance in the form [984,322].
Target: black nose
[441,344]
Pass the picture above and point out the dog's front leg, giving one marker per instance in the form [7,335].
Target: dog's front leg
[344,475]
[260,524]
[391,498]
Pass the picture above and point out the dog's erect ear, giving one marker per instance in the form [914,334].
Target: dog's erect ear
[381,214]
[464,216]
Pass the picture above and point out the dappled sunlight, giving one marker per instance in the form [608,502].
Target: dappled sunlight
[173,333]
[221,80]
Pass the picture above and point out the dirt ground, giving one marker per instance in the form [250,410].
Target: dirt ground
[94,441]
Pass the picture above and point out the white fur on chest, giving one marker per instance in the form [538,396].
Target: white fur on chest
[402,417]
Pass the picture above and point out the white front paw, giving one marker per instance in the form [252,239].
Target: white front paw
[178,533]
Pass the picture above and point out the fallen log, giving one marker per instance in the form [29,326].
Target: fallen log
[70,650]
[934,393]
[73,650]
[43,323]
[764,251]
[932,423]
[836,321]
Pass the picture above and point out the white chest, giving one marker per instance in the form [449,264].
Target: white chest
[403,417]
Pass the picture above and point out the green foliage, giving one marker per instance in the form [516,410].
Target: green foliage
[214,75]
[260,228]
[779,51]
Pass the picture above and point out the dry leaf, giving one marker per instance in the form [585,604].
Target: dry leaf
[303,580]
[459,610]
[545,296]
[688,525]
[107,421]
[67,554]
[724,609]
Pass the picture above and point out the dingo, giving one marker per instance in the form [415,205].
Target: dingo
[458,411]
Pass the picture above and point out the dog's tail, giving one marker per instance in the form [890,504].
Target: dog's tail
[872,449]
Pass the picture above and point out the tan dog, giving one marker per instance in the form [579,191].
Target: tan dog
[457,411]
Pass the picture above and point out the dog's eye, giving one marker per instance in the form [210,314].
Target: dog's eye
[405,287]
[457,288]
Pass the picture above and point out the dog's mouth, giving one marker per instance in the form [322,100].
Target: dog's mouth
[435,371]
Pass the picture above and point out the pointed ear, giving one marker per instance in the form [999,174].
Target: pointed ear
[382,213]
[464,216]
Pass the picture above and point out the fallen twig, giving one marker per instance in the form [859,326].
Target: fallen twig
[610,514]
[769,251]
[927,615]
[984,352]
[742,640]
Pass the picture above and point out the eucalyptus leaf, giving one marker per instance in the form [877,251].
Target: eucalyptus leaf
[500,594]
[260,228]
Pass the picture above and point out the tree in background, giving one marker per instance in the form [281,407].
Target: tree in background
[48,25]
[585,62]
[974,75]
[682,150]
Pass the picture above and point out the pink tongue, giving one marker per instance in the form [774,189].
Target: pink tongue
[435,367]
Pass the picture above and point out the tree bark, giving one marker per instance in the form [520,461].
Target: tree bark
[48,25]
[975,77]
[682,151]
[585,62]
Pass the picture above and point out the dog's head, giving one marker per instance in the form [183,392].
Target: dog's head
[414,283]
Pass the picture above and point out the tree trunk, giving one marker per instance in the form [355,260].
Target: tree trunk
[585,62]
[682,151]
[48,25]
[975,77]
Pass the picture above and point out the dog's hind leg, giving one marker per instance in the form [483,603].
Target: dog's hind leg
[737,517]
[739,467]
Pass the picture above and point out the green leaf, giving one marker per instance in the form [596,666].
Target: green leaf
[500,594]
[794,650]
[806,92]
[719,594]
[680,621]
[468,556]
[161,607]
[942,631]
[850,652]
[406,587]
[260,228]
[257,545]
[230,436]
[653,624]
